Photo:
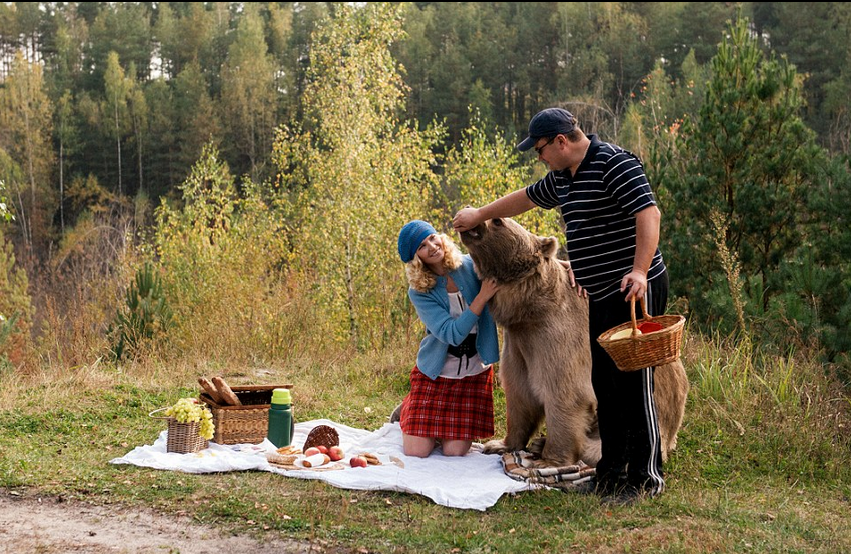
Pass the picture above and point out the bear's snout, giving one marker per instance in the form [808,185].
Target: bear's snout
[476,233]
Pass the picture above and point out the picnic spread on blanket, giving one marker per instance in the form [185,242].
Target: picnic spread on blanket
[345,457]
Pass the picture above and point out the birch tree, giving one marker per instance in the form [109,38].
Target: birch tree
[356,173]
[115,109]
[25,134]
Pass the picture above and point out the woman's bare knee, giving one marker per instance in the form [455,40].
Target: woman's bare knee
[456,447]
[417,447]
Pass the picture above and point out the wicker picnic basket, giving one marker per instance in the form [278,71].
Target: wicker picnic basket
[647,349]
[182,438]
[322,434]
[245,424]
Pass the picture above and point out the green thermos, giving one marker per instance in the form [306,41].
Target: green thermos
[281,421]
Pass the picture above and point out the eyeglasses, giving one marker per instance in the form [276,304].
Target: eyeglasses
[540,149]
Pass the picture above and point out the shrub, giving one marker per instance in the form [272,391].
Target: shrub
[15,305]
[145,316]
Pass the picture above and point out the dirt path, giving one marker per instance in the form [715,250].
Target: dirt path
[53,526]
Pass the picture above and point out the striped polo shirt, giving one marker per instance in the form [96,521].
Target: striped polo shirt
[598,206]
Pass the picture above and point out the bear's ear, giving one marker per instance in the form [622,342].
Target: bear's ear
[549,246]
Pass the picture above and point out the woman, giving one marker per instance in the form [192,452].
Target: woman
[451,397]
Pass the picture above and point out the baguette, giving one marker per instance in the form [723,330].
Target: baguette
[316,460]
[210,389]
[226,392]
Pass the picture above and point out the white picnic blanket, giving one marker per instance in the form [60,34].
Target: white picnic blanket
[475,481]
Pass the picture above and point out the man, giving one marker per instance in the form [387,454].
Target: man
[612,232]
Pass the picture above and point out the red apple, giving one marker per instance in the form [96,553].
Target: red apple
[649,327]
[311,451]
[322,448]
[358,461]
[336,453]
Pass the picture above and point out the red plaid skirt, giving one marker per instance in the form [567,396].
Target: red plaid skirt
[455,409]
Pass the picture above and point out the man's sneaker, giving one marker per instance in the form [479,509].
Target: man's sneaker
[591,486]
[586,487]
[397,414]
[624,497]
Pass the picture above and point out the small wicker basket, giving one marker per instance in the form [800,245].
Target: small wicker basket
[322,434]
[182,438]
[647,349]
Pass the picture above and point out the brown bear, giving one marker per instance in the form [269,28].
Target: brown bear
[545,367]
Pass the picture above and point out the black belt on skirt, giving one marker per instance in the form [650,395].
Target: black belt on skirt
[467,349]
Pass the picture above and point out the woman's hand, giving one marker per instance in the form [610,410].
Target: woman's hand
[489,288]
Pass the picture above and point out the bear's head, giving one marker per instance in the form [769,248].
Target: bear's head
[504,250]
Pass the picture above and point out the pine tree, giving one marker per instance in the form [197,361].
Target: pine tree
[748,160]
[249,100]
[196,115]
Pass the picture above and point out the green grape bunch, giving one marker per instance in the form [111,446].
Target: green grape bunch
[189,410]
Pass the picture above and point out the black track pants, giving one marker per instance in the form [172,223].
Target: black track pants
[629,430]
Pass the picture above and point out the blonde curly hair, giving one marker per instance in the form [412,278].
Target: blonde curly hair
[421,278]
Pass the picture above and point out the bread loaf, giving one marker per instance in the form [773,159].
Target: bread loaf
[226,392]
[210,389]
[371,459]
[282,459]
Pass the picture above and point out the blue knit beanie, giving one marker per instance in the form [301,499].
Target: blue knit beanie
[411,236]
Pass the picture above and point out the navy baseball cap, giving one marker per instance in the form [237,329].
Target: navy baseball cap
[548,123]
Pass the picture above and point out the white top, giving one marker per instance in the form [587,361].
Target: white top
[454,367]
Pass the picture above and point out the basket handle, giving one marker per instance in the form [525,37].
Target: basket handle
[644,313]
[158,417]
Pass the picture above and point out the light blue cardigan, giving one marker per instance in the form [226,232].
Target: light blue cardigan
[433,310]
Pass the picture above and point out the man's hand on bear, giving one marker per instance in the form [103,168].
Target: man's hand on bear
[580,292]
[466,218]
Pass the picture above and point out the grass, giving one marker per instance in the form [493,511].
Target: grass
[762,463]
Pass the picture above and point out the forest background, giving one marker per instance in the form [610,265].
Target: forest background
[216,189]
[124,126]
[248,163]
